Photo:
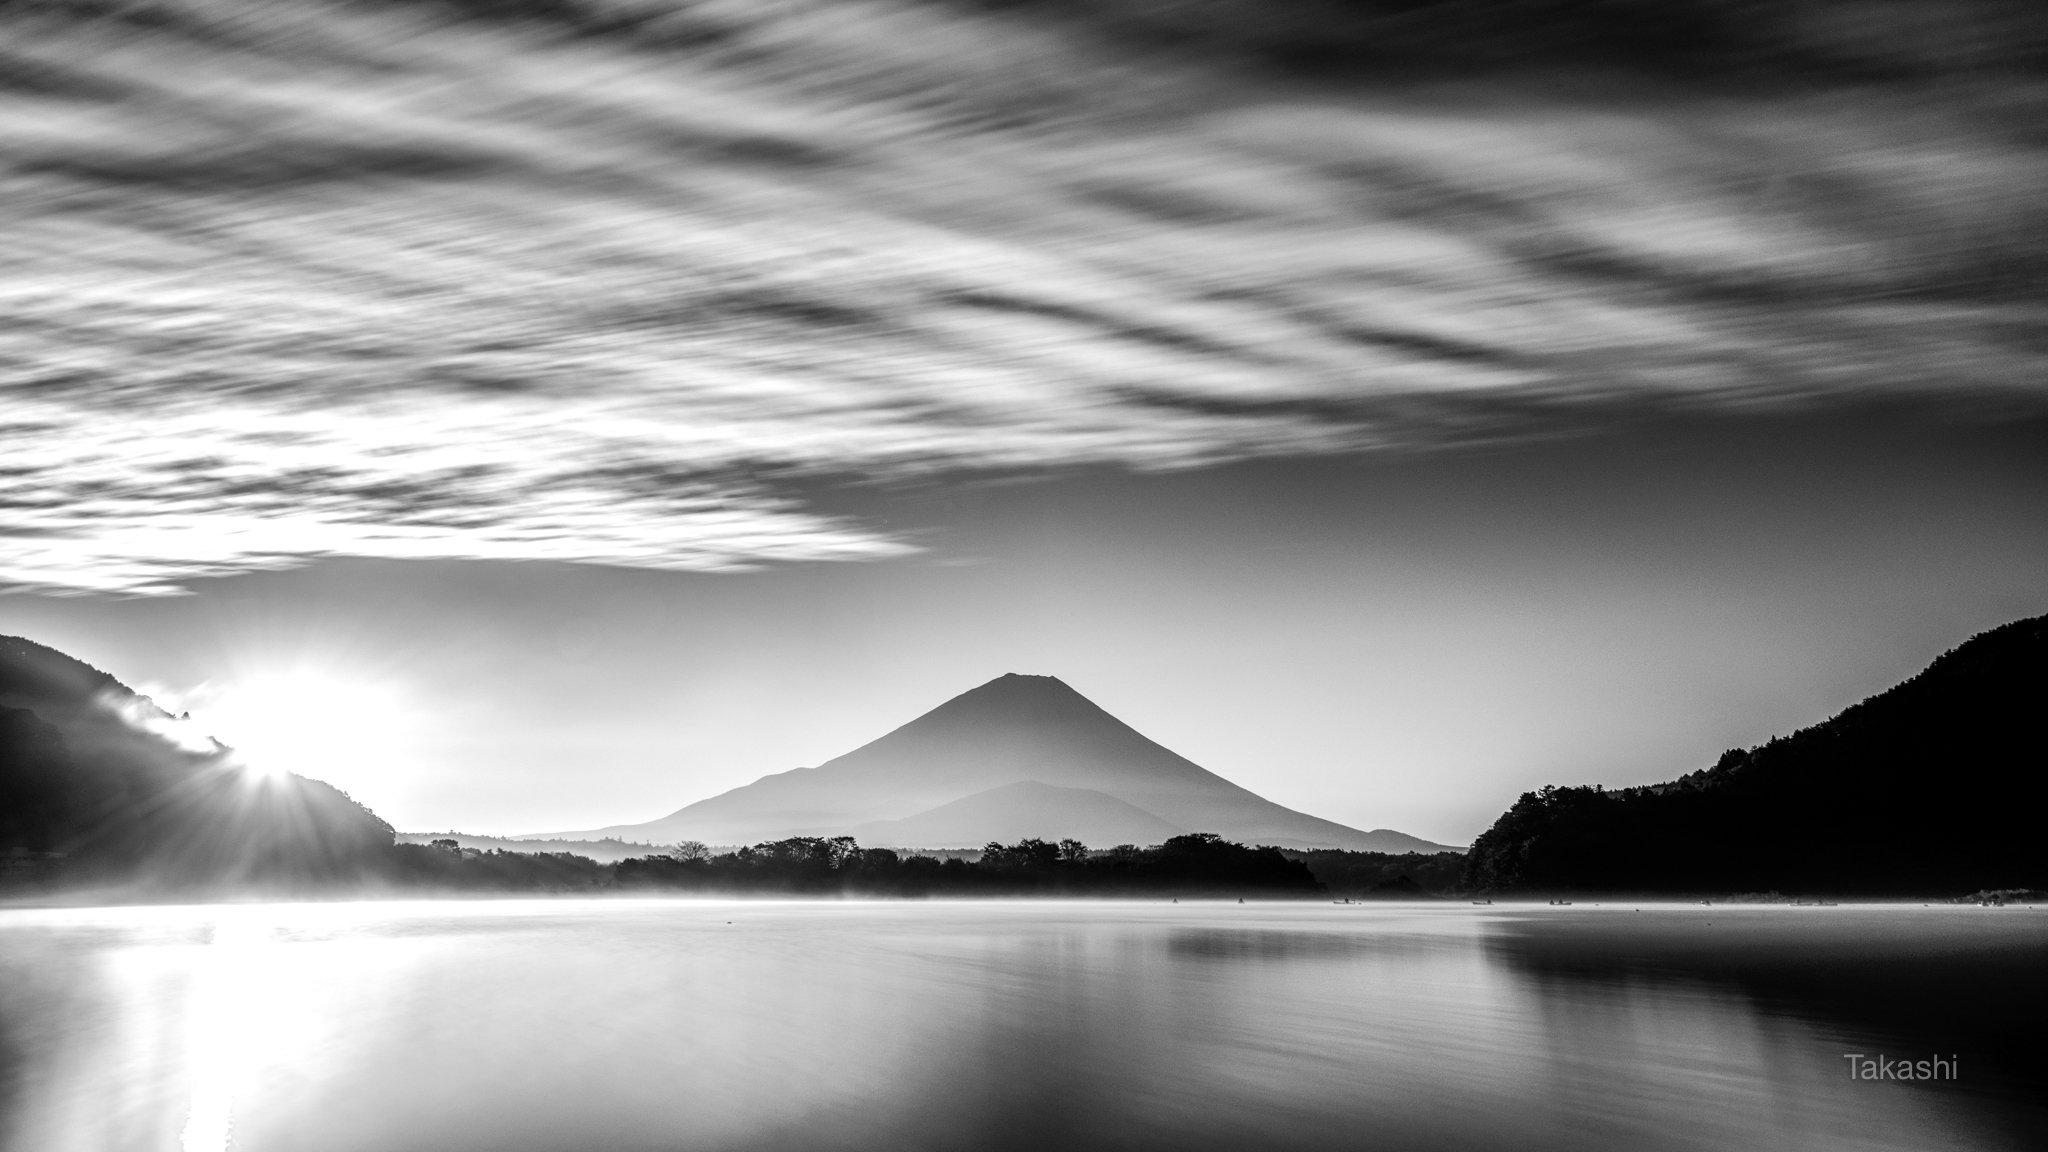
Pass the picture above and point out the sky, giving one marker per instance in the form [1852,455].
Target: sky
[1388,642]
[543,423]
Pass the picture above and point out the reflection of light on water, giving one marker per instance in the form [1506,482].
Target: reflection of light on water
[269,1005]
[531,1027]
[224,1027]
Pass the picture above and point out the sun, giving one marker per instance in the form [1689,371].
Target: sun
[306,721]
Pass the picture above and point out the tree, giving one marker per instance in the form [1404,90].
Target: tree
[684,851]
[842,852]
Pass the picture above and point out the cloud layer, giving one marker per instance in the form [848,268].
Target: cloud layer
[293,281]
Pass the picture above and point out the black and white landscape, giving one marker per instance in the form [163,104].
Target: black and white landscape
[1020,756]
[615,575]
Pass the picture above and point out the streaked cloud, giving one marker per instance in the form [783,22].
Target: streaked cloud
[293,281]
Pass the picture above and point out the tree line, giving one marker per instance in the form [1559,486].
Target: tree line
[1200,864]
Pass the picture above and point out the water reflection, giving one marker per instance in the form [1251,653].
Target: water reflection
[688,1025]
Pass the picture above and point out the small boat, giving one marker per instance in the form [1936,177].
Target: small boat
[1482,901]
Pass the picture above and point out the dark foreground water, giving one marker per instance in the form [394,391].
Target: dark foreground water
[708,1025]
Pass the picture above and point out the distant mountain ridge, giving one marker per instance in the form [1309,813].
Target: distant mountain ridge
[1935,786]
[1017,752]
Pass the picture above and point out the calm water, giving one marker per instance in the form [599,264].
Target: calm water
[600,1025]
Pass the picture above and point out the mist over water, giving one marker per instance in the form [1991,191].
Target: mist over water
[627,281]
[735,1025]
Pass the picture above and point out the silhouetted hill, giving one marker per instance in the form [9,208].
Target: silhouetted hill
[1933,787]
[1012,730]
[99,784]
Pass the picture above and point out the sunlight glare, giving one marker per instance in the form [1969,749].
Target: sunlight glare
[311,722]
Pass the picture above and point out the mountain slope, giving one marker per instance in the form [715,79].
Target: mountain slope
[1019,811]
[109,783]
[1009,730]
[1933,787]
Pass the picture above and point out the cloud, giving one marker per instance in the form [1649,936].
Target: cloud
[143,715]
[294,281]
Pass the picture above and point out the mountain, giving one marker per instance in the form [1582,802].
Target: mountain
[1018,811]
[1934,787]
[932,776]
[98,781]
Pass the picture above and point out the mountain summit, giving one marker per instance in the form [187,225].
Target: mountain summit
[951,778]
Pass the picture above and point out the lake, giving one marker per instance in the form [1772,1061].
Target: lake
[599,1025]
